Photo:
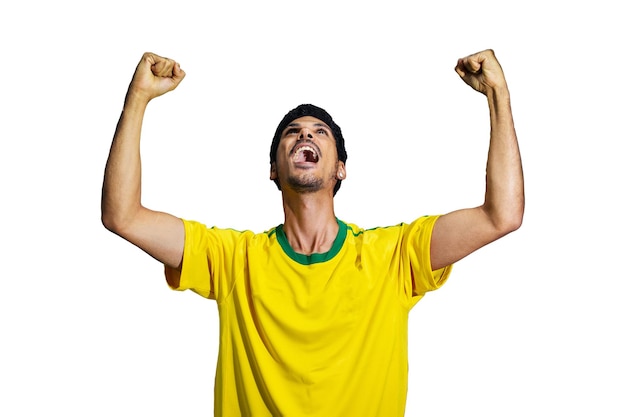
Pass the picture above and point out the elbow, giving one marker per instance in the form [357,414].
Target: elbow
[505,220]
[109,222]
[511,221]
[517,214]
[115,222]
[513,224]
[118,217]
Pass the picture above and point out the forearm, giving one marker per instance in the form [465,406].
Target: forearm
[121,191]
[504,196]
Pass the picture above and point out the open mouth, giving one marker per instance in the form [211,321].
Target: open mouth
[305,153]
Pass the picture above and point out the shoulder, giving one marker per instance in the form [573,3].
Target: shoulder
[372,234]
[421,224]
[195,231]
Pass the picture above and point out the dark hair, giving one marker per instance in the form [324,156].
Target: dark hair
[319,113]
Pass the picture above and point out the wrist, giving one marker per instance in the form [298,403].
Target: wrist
[135,100]
[499,91]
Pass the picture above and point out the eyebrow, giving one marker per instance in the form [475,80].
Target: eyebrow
[317,124]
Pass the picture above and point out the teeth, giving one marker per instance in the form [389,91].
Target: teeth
[306,148]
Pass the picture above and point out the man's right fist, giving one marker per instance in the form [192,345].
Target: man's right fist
[154,76]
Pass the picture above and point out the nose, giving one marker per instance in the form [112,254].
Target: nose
[305,133]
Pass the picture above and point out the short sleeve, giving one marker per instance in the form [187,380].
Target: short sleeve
[207,261]
[418,239]
[195,273]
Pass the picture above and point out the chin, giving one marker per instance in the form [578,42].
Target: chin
[305,185]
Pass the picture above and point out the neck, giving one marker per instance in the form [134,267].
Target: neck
[310,222]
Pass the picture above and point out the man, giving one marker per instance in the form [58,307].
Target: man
[314,312]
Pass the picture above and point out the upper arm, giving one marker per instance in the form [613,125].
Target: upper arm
[159,234]
[459,233]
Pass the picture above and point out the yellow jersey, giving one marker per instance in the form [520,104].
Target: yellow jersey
[320,335]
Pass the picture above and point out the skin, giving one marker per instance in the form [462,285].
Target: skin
[307,188]
[161,235]
[461,232]
[310,223]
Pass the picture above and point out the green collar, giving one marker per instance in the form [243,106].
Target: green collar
[313,258]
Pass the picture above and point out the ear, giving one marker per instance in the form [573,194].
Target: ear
[273,172]
[341,171]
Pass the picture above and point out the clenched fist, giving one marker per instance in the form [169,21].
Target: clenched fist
[154,76]
[482,72]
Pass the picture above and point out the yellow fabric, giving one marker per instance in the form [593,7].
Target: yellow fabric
[324,335]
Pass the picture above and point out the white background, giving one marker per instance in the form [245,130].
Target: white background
[530,325]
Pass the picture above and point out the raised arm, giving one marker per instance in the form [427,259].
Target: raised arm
[459,233]
[159,234]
